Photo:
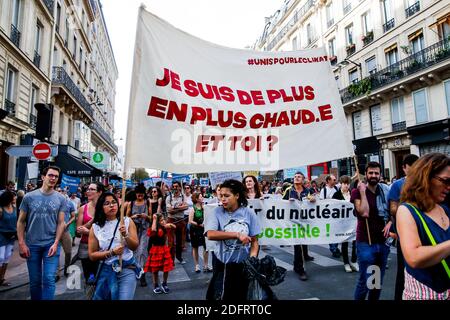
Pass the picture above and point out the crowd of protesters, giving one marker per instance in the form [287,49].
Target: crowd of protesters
[412,214]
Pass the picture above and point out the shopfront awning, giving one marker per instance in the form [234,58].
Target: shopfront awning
[75,167]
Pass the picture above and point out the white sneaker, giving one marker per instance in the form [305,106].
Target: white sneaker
[354,266]
[347,268]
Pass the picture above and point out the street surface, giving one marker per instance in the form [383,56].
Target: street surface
[327,279]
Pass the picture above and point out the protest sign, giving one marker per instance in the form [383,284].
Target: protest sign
[71,182]
[219,177]
[285,222]
[224,109]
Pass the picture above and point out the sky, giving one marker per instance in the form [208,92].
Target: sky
[232,23]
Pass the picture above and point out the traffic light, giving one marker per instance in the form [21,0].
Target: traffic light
[44,121]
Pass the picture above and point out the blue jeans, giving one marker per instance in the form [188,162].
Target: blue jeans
[370,255]
[115,286]
[42,272]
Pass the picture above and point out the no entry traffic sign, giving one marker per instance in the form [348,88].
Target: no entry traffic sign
[42,151]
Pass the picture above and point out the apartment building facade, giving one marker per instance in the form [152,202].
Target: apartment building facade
[391,60]
[57,52]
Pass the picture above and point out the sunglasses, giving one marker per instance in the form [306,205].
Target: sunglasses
[445,181]
[107,203]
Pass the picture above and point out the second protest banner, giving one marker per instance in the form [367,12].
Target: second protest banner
[285,222]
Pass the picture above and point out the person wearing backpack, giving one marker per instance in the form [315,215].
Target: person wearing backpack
[327,192]
[423,229]
[394,202]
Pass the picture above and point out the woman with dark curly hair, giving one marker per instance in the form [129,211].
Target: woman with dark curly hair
[251,187]
[234,227]
[423,228]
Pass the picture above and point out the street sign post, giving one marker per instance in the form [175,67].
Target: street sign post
[26,151]
[42,151]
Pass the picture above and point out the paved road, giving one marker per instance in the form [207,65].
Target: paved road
[327,279]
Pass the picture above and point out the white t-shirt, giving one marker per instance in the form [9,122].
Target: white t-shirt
[190,204]
[330,192]
[104,236]
[76,202]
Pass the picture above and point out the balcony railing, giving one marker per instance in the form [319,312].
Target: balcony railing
[347,8]
[37,59]
[33,121]
[96,127]
[330,23]
[50,5]
[333,60]
[10,107]
[60,77]
[368,38]
[423,59]
[297,16]
[388,25]
[412,9]
[399,126]
[15,35]
[350,49]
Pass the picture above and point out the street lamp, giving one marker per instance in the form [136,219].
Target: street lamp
[345,63]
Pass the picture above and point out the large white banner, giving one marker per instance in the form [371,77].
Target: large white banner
[286,222]
[199,107]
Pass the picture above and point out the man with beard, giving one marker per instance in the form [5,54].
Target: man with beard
[372,230]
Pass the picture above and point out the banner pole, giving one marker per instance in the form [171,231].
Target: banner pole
[355,159]
[122,209]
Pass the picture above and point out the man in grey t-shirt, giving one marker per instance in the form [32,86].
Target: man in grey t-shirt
[42,219]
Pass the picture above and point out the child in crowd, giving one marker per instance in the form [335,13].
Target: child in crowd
[159,258]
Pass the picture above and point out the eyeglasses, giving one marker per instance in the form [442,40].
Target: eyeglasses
[91,189]
[154,191]
[107,203]
[52,176]
[445,181]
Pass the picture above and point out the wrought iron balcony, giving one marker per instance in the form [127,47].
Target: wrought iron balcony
[33,121]
[347,8]
[333,60]
[10,107]
[297,16]
[50,5]
[399,126]
[60,77]
[96,127]
[421,60]
[15,35]
[412,9]
[388,25]
[37,59]
[368,38]
[350,49]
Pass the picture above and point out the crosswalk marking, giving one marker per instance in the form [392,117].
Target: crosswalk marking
[178,274]
[318,258]
[280,263]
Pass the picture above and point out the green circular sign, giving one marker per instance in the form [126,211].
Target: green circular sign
[98,157]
